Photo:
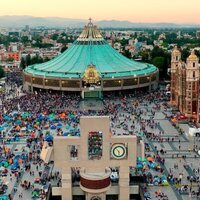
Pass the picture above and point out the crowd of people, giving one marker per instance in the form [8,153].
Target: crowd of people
[47,108]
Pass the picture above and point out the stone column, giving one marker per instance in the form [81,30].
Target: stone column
[66,187]
[124,190]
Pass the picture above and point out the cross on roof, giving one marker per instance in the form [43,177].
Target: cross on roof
[90,20]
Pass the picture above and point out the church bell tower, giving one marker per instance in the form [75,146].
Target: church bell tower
[192,85]
[175,59]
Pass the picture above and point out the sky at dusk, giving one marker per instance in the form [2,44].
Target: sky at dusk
[177,11]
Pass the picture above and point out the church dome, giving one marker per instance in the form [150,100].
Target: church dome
[192,56]
[176,51]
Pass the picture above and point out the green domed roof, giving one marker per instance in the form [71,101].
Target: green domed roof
[90,49]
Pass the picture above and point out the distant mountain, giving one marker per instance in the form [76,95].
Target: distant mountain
[127,24]
[21,21]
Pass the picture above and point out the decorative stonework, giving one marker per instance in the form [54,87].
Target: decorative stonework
[185,82]
[91,75]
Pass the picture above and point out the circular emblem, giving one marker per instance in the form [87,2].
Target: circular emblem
[118,151]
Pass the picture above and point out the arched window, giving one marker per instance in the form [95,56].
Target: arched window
[193,64]
[193,74]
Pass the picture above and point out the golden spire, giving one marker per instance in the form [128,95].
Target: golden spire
[192,56]
[90,33]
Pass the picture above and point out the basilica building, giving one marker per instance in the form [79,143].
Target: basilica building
[185,82]
[90,66]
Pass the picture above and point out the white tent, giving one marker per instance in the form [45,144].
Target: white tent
[194,131]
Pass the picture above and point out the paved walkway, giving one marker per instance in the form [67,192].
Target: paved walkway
[178,150]
[173,156]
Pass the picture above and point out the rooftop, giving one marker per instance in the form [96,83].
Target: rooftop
[91,49]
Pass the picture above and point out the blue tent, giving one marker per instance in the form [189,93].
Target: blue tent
[23,156]
[49,138]
[25,115]
[16,158]
[5,124]
[152,165]
[65,134]
[139,158]
[59,125]
[53,127]
[1,128]
[156,180]
[78,134]
[147,194]
[139,166]
[72,129]
[18,122]
[14,166]
[41,117]
[163,178]
[29,127]
[3,162]
[7,118]
[4,197]
[51,117]
[67,127]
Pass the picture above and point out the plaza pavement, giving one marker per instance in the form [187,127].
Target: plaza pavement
[171,148]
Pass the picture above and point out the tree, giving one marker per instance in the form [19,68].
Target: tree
[10,59]
[157,52]
[24,39]
[23,63]
[197,53]
[54,36]
[46,59]
[184,54]
[63,49]
[28,60]
[160,63]
[145,56]
[124,42]
[2,72]
[36,59]
[127,53]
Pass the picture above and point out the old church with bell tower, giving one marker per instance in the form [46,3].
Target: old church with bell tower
[185,81]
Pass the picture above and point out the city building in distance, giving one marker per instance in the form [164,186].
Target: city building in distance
[185,79]
[90,66]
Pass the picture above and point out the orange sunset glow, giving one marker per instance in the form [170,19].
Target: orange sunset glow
[177,11]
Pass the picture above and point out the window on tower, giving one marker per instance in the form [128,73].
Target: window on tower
[73,150]
[194,64]
[95,142]
[193,74]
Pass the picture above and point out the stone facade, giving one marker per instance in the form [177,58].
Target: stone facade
[97,152]
[185,88]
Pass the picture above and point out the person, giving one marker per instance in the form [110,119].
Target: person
[10,197]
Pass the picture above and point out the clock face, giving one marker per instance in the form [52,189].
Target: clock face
[118,151]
